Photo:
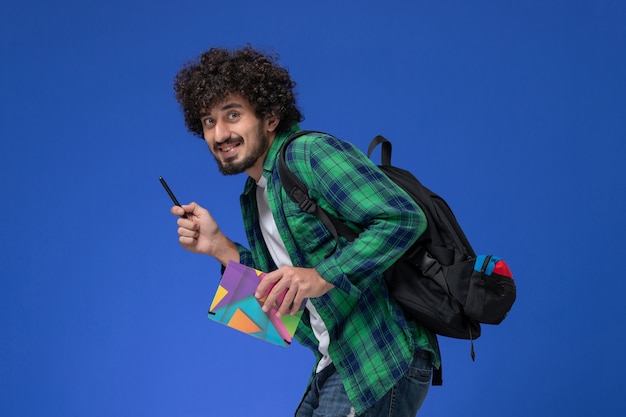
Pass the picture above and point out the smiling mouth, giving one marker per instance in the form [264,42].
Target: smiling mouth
[227,146]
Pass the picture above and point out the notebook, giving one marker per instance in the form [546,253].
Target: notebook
[236,306]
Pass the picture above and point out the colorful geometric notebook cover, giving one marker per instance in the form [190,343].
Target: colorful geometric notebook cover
[236,306]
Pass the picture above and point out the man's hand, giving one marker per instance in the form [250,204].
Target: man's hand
[199,233]
[299,284]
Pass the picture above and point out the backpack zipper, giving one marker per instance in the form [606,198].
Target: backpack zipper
[485,264]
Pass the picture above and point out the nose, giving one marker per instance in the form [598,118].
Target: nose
[221,131]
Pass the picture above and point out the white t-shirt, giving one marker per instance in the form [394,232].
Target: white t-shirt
[281,258]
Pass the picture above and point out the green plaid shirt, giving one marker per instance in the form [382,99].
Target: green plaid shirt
[371,342]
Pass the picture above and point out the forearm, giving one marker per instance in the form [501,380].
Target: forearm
[225,250]
[376,248]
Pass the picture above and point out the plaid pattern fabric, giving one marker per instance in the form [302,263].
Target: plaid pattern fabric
[372,343]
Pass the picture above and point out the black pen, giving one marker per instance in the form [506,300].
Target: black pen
[171,194]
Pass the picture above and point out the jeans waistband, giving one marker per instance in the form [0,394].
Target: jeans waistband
[423,354]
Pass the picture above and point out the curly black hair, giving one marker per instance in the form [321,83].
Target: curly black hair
[218,72]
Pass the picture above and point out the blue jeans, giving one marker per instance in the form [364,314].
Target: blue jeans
[326,397]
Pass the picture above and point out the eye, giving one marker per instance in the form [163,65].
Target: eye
[208,122]
[233,115]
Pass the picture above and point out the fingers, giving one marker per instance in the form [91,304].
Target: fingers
[193,208]
[180,212]
[188,230]
[296,303]
[286,288]
[274,287]
[266,283]
[286,302]
[177,211]
[270,288]
[188,209]
[187,227]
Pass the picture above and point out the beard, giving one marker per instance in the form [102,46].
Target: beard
[230,166]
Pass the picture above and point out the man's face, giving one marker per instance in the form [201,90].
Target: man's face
[236,137]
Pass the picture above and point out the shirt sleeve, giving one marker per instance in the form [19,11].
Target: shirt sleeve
[245,256]
[344,182]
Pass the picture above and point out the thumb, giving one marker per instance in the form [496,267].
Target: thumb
[178,211]
[194,209]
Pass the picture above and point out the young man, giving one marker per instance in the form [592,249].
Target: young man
[371,361]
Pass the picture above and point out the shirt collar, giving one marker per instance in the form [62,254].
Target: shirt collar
[274,151]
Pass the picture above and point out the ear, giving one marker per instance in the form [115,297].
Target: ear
[271,122]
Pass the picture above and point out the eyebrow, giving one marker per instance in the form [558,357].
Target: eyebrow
[233,105]
[227,106]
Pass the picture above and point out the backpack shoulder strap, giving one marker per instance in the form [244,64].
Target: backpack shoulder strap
[294,188]
[385,153]
[299,193]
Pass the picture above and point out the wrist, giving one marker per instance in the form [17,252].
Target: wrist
[225,250]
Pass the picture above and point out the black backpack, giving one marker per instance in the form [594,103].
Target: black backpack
[439,282]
